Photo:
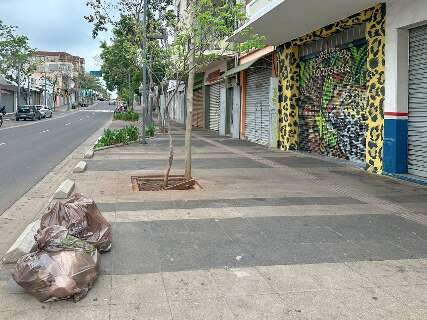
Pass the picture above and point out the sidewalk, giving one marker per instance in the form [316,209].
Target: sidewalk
[270,235]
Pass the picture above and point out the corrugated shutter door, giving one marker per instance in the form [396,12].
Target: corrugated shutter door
[214,99]
[8,100]
[417,122]
[198,118]
[257,122]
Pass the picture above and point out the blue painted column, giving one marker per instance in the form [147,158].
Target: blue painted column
[396,143]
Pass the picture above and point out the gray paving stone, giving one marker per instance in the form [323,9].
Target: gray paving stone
[384,250]
[343,252]
[179,245]
[173,226]
[224,203]
[131,256]
[304,162]
[416,248]
[127,164]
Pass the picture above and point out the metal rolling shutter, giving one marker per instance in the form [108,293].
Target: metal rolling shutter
[257,120]
[198,118]
[417,122]
[8,100]
[214,106]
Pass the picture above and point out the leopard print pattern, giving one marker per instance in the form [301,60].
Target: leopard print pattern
[288,95]
[375,35]
[288,79]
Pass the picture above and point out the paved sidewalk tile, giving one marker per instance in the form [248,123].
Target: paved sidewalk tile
[270,235]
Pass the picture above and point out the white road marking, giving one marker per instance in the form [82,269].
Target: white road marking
[38,122]
[3,143]
[102,111]
[67,124]
[44,131]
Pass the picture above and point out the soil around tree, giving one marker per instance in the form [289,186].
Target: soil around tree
[156,183]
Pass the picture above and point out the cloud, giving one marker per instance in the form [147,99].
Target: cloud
[54,25]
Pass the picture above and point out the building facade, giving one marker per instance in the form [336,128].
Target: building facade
[351,79]
[343,79]
[405,129]
[8,95]
[62,71]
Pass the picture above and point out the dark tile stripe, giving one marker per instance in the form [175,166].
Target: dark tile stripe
[225,203]
[178,245]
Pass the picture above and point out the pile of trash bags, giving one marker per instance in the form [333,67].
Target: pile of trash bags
[65,263]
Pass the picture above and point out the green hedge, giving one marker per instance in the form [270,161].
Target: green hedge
[126,116]
[115,136]
[149,132]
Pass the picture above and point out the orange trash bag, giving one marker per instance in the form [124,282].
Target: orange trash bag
[64,267]
[82,218]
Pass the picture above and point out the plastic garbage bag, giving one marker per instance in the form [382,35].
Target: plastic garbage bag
[83,220]
[64,267]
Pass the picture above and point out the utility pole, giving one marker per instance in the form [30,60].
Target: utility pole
[19,86]
[45,89]
[29,92]
[130,100]
[144,71]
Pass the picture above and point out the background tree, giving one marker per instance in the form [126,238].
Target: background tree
[16,60]
[123,56]
[89,82]
[200,39]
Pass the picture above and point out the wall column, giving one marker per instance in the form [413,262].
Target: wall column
[396,103]
[288,97]
[375,36]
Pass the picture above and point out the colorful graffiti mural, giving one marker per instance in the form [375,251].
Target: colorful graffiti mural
[333,103]
[289,69]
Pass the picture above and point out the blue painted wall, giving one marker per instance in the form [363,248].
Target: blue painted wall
[396,145]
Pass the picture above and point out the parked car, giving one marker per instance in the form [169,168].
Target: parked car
[83,105]
[28,112]
[112,103]
[45,111]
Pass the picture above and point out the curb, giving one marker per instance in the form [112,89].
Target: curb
[88,154]
[23,245]
[59,169]
[64,190]
[80,167]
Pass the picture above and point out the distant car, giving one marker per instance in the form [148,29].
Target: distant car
[101,99]
[45,111]
[28,112]
[112,103]
[83,105]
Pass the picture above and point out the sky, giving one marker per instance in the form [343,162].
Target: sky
[55,25]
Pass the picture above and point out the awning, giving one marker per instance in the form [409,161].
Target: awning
[283,20]
[239,68]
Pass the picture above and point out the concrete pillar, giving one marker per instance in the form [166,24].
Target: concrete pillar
[396,101]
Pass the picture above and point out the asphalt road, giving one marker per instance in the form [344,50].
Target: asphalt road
[28,152]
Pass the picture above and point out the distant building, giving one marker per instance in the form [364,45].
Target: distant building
[62,71]
[8,94]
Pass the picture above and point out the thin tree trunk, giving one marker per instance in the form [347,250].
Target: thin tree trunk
[189,122]
[168,170]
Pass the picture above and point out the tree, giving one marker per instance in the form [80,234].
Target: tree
[125,16]
[15,54]
[200,39]
[120,67]
[89,82]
